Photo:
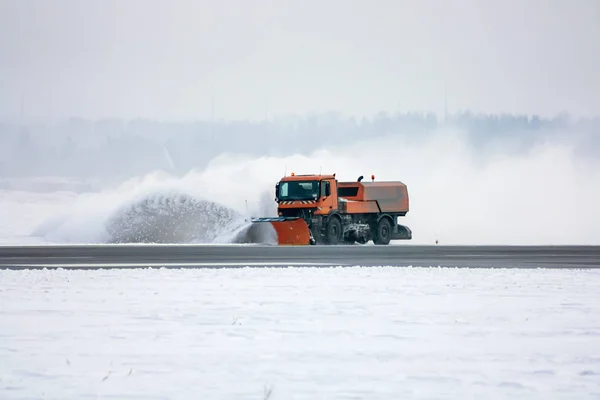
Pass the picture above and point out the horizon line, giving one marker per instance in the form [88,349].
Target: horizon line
[440,118]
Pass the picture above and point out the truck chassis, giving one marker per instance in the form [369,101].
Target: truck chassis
[338,228]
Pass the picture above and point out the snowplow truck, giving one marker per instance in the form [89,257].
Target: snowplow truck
[318,209]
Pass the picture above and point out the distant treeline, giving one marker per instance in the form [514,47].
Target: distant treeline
[116,149]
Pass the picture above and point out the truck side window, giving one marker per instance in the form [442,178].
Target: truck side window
[325,188]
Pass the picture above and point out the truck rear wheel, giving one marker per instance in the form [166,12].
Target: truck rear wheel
[334,231]
[384,232]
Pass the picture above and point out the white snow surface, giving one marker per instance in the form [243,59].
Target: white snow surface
[300,333]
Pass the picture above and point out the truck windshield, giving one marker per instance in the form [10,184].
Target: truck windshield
[298,190]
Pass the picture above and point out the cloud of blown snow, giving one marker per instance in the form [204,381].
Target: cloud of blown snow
[458,196]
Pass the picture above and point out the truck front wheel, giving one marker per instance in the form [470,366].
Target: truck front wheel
[334,231]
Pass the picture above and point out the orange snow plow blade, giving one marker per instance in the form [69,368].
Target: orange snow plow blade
[288,231]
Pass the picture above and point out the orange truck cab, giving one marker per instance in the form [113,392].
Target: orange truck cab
[345,212]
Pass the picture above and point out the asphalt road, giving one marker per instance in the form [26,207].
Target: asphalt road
[208,256]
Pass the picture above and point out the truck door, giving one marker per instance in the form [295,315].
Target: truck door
[328,199]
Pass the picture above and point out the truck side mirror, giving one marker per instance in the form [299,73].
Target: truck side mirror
[327,190]
[277,191]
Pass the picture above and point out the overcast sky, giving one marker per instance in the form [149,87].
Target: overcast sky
[165,59]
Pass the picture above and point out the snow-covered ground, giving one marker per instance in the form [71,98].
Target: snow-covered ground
[22,212]
[322,333]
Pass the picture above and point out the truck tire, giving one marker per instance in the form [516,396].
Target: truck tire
[384,232]
[333,234]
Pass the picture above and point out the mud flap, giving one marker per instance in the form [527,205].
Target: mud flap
[401,232]
[289,231]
